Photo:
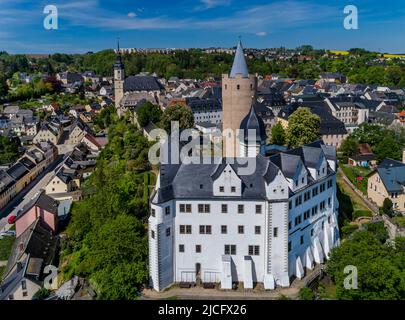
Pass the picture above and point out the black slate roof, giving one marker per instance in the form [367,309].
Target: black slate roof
[43,201]
[329,124]
[27,163]
[142,83]
[253,122]
[17,171]
[198,105]
[36,241]
[392,174]
[5,181]
[181,181]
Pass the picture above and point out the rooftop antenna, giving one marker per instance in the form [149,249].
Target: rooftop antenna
[118,45]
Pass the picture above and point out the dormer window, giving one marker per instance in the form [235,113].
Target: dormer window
[233,189]
[221,189]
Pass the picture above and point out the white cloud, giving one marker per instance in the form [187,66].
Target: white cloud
[261,34]
[275,16]
[278,15]
[208,4]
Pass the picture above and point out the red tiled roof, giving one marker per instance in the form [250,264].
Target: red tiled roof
[92,140]
[364,148]
[401,116]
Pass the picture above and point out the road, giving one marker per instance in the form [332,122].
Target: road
[21,199]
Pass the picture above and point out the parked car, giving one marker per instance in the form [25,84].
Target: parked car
[11,219]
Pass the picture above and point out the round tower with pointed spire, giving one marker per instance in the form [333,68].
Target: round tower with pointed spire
[119,78]
[238,92]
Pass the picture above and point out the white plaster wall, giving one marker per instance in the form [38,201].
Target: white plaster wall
[212,245]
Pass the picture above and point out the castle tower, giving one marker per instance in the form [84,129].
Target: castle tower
[119,78]
[238,91]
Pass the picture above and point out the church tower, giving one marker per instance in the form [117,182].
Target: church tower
[118,80]
[238,93]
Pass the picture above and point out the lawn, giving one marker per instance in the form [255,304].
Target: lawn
[1,271]
[351,206]
[357,176]
[5,247]
[356,202]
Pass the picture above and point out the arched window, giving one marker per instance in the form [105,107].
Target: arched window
[238,87]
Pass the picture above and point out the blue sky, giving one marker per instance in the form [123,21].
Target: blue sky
[92,25]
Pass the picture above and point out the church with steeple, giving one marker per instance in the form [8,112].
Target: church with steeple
[119,78]
[132,92]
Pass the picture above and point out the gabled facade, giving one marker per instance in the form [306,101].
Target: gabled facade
[43,208]
[219,226]
[388,181]
[48,133]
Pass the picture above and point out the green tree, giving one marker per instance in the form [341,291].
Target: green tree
[148,113]
[368,133]
[9,151]
[387,207]
[303,127]
[388,147]
[3,86]
[306,294]
[42,293]
[380,268]
[278,134]
[177,113]
[349,146]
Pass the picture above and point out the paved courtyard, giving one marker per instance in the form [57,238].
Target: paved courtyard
[199,293]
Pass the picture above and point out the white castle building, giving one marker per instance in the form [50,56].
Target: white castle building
[210,223]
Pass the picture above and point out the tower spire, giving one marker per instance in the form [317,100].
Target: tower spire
[118,60]
[239,63]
